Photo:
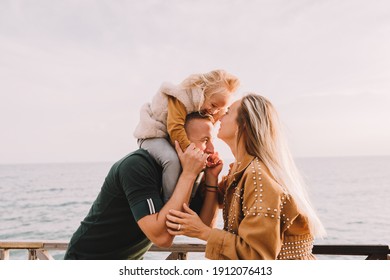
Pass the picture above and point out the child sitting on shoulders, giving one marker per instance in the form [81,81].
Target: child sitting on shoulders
[162,121]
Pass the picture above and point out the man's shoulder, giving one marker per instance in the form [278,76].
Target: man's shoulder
[139,154]
[139,158]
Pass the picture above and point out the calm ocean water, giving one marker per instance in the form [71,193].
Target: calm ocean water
[48,201]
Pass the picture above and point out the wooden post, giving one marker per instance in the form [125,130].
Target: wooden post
[182,256]
[4,254]
[172,256]
[177,256]
[32,254]
[43,255]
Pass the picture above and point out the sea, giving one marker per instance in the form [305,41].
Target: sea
[48,201]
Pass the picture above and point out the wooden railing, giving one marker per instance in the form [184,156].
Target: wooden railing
[372,252]
[39,250]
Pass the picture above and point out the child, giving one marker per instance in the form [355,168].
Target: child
[163,119]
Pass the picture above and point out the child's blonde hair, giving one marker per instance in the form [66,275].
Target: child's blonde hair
[216,81]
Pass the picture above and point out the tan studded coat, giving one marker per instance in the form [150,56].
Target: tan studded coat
[260,220]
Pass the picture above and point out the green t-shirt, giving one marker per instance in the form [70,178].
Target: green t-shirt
[131,190]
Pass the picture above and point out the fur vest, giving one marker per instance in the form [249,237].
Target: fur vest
[153,116]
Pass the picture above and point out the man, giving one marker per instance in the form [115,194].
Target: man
[128,215]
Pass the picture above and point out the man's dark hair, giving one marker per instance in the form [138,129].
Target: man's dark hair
[198,116]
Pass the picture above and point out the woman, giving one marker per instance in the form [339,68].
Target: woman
[266,211]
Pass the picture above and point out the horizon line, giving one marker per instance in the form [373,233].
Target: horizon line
[109,161]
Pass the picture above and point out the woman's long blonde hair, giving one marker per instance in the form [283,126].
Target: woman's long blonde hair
[260,129]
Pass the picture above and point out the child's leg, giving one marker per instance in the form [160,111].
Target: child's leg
[165,155]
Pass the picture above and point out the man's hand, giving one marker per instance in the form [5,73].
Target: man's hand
[193,160]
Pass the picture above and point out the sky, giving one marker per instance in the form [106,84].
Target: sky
[74,74]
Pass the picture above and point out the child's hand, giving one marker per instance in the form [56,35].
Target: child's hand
[213,160]
[214,166]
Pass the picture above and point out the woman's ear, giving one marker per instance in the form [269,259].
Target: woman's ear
[243,129]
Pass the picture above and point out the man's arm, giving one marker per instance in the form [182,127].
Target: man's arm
[154,226]
[210,206]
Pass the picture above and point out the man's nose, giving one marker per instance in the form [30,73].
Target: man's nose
[209,148]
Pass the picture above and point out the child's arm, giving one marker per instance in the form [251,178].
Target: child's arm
[175,122]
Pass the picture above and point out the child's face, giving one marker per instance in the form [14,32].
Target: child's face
[215,103]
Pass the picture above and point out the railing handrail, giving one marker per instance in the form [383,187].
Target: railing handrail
[39,249]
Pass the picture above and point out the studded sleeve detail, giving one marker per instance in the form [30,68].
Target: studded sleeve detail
[267,198]
[251,220]
[257,215]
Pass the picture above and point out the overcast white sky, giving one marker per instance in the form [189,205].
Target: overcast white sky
[74,74]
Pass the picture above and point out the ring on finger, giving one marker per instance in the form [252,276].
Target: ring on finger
[178,227]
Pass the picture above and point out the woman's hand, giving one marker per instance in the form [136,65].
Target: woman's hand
[187,223]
